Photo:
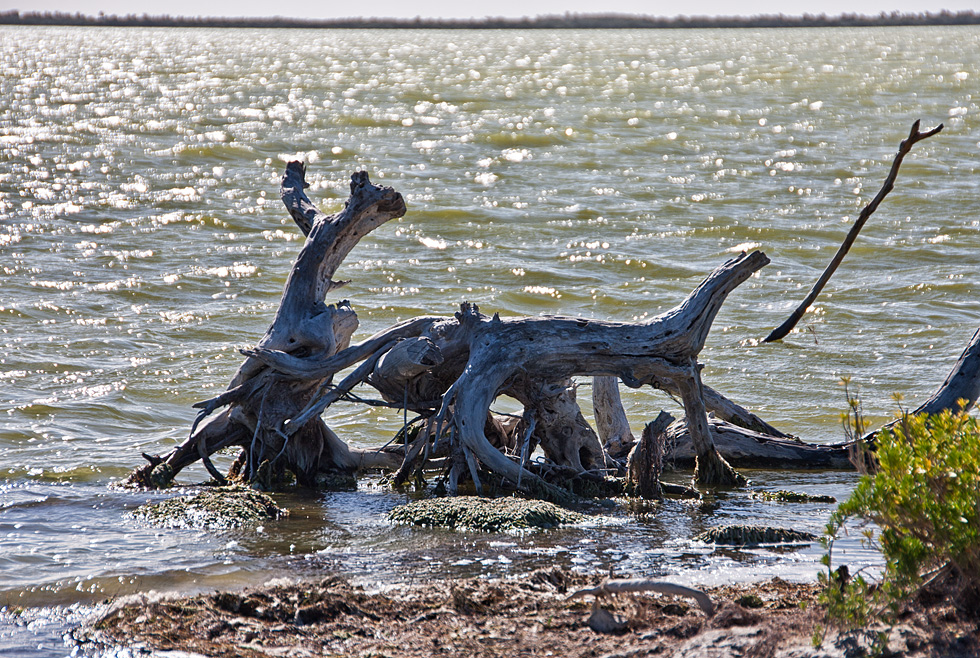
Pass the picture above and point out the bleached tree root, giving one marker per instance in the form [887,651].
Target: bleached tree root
[449,371]
[261,399]
[465,362]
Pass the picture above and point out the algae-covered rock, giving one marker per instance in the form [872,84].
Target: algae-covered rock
[473,513]
[750,535]
[792,497]
[220,508]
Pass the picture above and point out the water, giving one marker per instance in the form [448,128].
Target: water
[592,173]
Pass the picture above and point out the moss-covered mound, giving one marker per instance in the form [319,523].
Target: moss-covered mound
[214,509]
[472,513]
[792,497]
[750,535]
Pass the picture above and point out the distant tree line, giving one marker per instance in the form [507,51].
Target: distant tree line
[567,20]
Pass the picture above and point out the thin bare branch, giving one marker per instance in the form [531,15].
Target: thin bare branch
[914,136]
[321,401]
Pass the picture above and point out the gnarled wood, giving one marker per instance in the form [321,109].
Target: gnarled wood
[299,322]
[559,427]
[736,414]
[450,370]
[260,399]
[546,348]
[612,586]
[398,376]
[533,359]
[709,466]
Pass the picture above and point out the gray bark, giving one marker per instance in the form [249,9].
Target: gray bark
[646,460]
[744,448]
[260,399]
[611,422]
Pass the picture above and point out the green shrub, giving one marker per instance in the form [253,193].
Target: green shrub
[921,507]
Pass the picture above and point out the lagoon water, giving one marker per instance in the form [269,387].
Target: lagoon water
[591,173]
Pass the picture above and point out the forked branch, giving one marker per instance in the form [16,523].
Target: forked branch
[782,330]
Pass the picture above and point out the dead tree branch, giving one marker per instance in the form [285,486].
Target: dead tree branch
[914,136]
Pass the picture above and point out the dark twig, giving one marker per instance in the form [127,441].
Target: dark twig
[202,450]
[914,136]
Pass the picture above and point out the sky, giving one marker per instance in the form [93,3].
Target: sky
[457,9]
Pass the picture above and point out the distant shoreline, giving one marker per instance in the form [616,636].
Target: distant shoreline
[566,21]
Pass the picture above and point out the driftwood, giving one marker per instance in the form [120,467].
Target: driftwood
[961,388]
[744,448]
[646,460]
[914,136]
[611,586]
[448,371]
[532,359]
[260,399]
[515,356]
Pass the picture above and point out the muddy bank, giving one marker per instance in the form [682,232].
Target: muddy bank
[526,616]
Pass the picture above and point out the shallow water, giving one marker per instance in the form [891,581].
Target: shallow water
[592,173]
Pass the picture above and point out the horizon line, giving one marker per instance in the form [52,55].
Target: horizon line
[544,21]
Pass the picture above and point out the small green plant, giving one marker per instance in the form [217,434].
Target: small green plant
[855,424]
[818,634]
[920,505]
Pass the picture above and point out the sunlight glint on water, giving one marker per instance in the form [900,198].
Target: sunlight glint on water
[600,174]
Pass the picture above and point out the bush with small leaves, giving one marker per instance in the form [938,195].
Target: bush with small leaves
[921,506]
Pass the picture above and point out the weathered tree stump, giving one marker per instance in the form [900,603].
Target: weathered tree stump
[646,460]
[260,399]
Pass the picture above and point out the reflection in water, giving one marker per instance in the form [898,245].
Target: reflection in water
[81,544]
[347,533]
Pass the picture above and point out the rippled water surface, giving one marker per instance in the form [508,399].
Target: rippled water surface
[592,173]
